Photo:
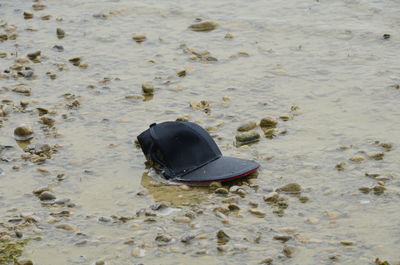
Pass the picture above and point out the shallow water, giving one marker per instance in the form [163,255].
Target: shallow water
[328,58]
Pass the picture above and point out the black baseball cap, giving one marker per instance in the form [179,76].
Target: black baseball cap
[185,152]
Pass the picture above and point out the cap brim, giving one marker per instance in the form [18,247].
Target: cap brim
[222,169]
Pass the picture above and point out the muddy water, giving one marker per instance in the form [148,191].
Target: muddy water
[326,63]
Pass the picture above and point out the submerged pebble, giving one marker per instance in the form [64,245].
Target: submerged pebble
[290,188]
[22,89]
[139,38]
[23,133]
[148,88]
[258,213]
[222,237]
[268,122]
[204,26]
[60,33]
[46,196]
[247,126]
[28,15]
[247,137]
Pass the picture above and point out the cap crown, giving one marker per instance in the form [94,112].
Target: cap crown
[179,147]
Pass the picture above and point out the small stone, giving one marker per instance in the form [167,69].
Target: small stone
[25,262]
[182,219]
[66,227]
[386,36]
[75,60]
[340,166]
[185,187]
[357,159]
[38,7]
[40,190]
[271,197]
[222,237]
[304,199]
[138,252]
[58,48]
[268,122]
[293,188]
[203,26]
[233,207]
[286,116]
[60,33]
[288,229]
[258,213]
[267,261]
[288,251]
[364,189]
[247,126]
[228,36]
[237,190]
[221,191]
[247,137]
[346,243]
[46,196]
[378,156]
[222,248]
[100,262]
[181,73]
[47,121]
[139,38]
[148,88]
[18,234]
[163,238]
[46,17]
[187,239]
[33,55]
[28,15]
[378,190]
[159,206]
[282,238]
[215,185]
[104,219]
[23,133]
[22,89]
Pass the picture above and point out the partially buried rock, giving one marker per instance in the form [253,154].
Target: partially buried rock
[33,55]
[66,227]
[247,126]
[221,191]
[75,61]
[268,122]
[28,15]
[290,188]
[222,237]
[163,238]
[25,262]
[257,212]
[46,196]
[247,138]
[203,26]
[148,88]
[23,133]
[271,197]
[60,33]
[22,89]
[139,38]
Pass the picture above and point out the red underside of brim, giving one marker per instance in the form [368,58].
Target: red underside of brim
[220,180]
